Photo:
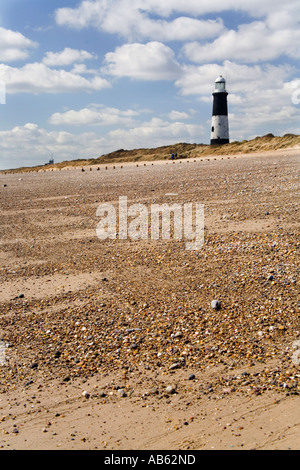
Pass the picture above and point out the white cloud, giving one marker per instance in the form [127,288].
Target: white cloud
[252,42]
[241,78]
[156,132]
[67,57]
[178,115]
[93,116]
[199,80]
[131,20]
[151,61]
[38,78]
[285,18]
[86,14]
[180,29]
[14,46]
[38,144]
[81,69]
[103,13]
[276,33]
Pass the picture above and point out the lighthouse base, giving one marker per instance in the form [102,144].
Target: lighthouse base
[219,130]
[219,141]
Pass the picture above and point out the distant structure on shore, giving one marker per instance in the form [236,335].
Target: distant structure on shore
[219,125]
[51,161]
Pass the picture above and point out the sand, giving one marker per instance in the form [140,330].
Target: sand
[92,332]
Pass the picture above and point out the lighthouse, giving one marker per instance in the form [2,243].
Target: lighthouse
[219,125]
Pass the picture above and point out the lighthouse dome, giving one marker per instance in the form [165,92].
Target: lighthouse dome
[220,84]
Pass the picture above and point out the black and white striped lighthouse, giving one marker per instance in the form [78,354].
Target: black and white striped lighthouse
[219,125]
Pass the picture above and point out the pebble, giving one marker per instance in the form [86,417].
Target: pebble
[178,335]
[216,304]
[227,390]
[170,389]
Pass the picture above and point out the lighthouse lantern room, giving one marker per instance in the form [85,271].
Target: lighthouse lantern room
[219,126]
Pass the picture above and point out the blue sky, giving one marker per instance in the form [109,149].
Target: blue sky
[84,78]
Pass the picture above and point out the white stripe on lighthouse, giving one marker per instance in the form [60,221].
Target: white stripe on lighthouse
[220,128]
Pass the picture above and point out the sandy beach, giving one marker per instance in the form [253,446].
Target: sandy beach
[114,344]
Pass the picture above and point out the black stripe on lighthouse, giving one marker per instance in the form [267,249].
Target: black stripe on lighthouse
[220,107]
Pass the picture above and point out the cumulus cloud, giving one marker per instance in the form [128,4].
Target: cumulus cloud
[180,29]
[151,61]
[86,14]
[131,19]
[82,69]
[38,144]
[254,42]
[241,78]
[178,115]
[14,46]
[108,15]
[275,32]
[92,116]
[38,78]
[67,57]
[156,132]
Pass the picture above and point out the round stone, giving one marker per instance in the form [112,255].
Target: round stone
[216,304]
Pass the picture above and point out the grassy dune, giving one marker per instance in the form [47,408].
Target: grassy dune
[268,142]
